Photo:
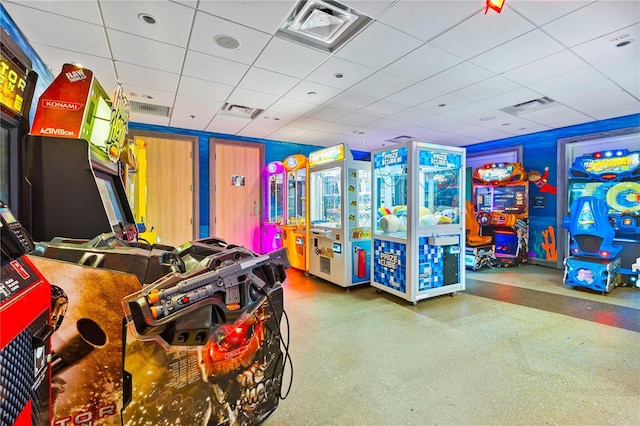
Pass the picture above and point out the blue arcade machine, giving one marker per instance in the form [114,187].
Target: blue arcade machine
[604,220]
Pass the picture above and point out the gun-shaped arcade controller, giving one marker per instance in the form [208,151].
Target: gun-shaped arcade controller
[185,309]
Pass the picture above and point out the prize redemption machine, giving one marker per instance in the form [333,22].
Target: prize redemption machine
[18,82]
[604,220]
[419,234]
[294,228]
[274,179]
[73,185]
[500,234]
[25,330]
[340,213]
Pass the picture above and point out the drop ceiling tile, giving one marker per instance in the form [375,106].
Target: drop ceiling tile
[342,129]
[59,31]
[410,115]
[558,116]
[414,95]
[289,58]
[582,77]
[183,120]
[136,75]
[542,12]
[545,68]
[422,63]
[264,15]
[351,73]
[380,85]
[55,57]
[84,11]
[317,137]
[356,119]
[207,27]
[520,51]
[385,125]
[261,127]
[486,88]
[462,75]
[442,104]
[624,72]
[251,98]
[594,97]
[481,33]
[371,8]
[204,89]
[350,101]
[173,21]
[594,20]
[149,96]
[512,97]
[326,113]
[291,106]
[315,93]
[148,53]
[227,124]
[287,133]
[267,81]
[191,105]
[308,123]
[526,129]
[426,19]
[212,68]
[383,108]
[603,49]
[377,46]
[148,119]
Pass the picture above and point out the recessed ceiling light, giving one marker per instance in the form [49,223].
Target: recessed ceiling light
[522,128]
[338,75]
[625,43]
[311,93]
[364,141]
[226,41]
[146,18]
[487,118]
[506,124]
[442,105]
[192,116]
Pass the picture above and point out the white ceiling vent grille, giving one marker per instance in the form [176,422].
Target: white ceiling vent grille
[400,139]
[325,24]
[530,106]
[150,109]
[240,111]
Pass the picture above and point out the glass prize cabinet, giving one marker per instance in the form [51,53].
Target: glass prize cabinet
[418,234]
[340,215]
[294,228]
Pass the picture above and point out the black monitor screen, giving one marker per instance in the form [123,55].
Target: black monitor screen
[113,208]
[506,244]
[503,199]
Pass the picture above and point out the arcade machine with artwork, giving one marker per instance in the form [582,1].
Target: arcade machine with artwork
[604,220]
[294,229]
[25,329]
[136,185]
[500,208]
[419,234]
[274,196]
[18,82]
[74,188]
[340,214]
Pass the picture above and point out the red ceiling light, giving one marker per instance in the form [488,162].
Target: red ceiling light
[495,5]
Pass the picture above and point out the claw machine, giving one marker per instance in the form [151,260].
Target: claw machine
[419,233]
[274,178]
[294,227]
[340,214]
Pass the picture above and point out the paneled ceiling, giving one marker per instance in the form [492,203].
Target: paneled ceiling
[438,71]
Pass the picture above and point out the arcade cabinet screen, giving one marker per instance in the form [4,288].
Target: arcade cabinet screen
[620,197]
[108,193]
[506,244]
[7,215]
[505,199]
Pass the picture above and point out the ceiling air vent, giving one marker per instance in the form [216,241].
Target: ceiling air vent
[530,106]
[400,139]
[325,24]
[150,109]
[240,111]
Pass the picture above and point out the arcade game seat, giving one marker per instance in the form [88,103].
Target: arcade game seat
[594,262]
[479,251]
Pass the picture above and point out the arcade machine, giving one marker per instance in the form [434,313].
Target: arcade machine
[274,193]
[294,229]
[604,220]
[340,213]
[25,330]
[500,207]
[18,85]
[136,184]
[419,234]
[74,188]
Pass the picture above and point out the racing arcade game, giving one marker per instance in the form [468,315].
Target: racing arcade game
[501,209]
[73,179]
[604,220]
[25,330]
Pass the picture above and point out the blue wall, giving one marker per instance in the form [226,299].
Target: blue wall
[540,151]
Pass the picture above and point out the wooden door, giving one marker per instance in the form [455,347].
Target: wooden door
[237,202]
[170,196]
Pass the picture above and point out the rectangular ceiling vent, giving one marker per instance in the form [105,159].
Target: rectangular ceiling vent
[530,106]
[150,109]
[240,111]
[400,139]
[324,24]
